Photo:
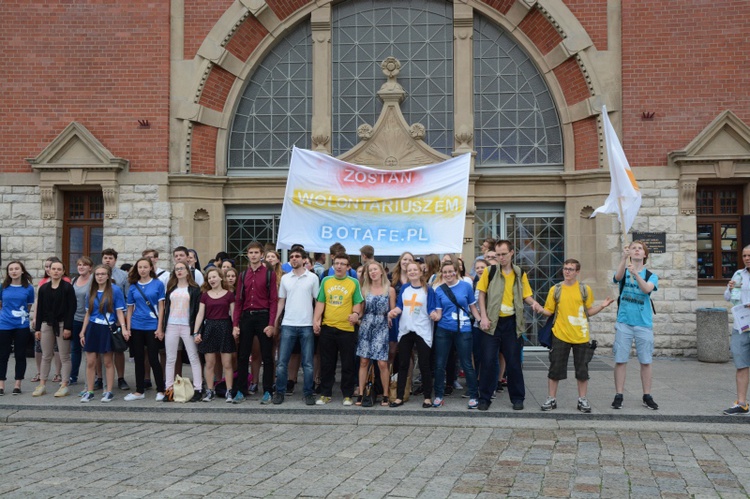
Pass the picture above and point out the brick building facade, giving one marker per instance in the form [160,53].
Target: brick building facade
[153,124]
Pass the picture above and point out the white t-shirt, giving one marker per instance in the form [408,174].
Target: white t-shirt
[299,293]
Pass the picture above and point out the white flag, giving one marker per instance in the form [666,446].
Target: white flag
[624,193]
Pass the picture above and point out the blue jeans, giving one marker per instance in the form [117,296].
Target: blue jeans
[505,340]
[289,336]
[444,339]
[75,350]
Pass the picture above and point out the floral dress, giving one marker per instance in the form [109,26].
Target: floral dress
[373,330]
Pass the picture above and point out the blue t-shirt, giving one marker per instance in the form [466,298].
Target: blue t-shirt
[98,317]
[465,297]
[143,316]
[635,305]
[15,311]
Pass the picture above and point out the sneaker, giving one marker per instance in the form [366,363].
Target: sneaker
[147,384]
[123,385]
[418,390]
[438,402]
[209,396]
[583,405]
[648,402]
[98,384]
[253,389]
[63,391]
[323,400]
[550,404]
[493,396]
[457,385]
[73,380]
[348,401]
[108,397]
[309,399]
[266,398]
[617,402]
[159,397]
[197,396]
[134,396]
[504,381]
[737,409]
[87,397]
[278,398]
[16,391]
[483,406]
[229,399]
[39,391]
[2,392]
[290,387]
[517,406]
[465,395]
[473,403]
[238,398]
[499,387]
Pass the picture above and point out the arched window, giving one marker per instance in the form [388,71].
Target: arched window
[515,120]
[516,123]
[275,111]
[420,35]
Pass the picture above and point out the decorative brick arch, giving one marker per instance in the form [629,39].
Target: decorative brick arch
[547,29]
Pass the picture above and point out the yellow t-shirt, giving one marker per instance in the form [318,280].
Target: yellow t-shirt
[571,324]
[339,295]
[506,308]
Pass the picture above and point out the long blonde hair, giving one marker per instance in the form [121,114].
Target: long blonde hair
[367,282]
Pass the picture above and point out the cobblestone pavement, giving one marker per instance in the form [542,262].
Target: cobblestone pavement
[131,459]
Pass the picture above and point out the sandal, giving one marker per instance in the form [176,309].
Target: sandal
[384,402]
[57,379]
[36,378]
[359,400]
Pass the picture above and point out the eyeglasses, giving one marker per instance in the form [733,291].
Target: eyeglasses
[180,269]
[567,269]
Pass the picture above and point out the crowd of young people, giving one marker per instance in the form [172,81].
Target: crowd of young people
[428,313]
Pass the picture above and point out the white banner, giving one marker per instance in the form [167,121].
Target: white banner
[422,210]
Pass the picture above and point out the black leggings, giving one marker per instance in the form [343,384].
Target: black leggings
[405,346]
[140,339]
[18,338]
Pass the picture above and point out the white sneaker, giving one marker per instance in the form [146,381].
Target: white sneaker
[160,397]
[134,396]
[457,385]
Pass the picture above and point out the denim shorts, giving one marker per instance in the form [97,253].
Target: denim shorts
[740,349]
[624,336]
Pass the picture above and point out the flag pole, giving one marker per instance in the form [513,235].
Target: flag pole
[623,235]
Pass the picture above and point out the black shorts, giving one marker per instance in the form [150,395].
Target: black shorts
[558,359]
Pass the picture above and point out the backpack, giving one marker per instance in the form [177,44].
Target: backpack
[622,287]
[544,335]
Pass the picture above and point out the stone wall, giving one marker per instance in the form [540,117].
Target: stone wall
[144,221]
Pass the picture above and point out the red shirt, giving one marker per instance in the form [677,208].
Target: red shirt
[259,295]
